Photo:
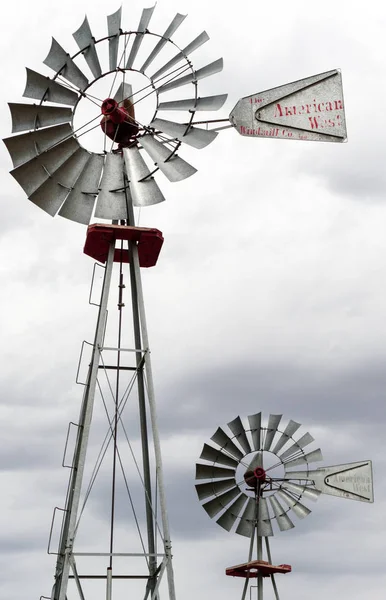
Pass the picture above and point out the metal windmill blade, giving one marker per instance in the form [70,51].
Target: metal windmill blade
[134,152]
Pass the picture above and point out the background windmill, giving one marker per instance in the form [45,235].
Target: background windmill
[339,276]
[267,478]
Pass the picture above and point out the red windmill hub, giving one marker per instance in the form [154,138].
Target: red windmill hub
[255,478]
[118,121]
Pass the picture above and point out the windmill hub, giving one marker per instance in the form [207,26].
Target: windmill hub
[255,478]
[118,121]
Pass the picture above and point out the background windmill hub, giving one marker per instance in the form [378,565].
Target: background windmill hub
[259,470]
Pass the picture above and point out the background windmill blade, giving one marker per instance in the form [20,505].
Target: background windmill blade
[59,61]
[314,456]
[213,507]
[171,165]
[214,67]
[223,440]
[248,519]
[192,136]
[34,116]
[143,188]
[273,424]
[80,202]
[264,525]
[50,195]
[237,428]
[213,472]
[205,103]
[214,488]
[42,88]
[113,28]
[174,25]
[288,432]
[111,203]
[124,91]
[299,509]
[196,43]
[32,174]
[302,490]
[228,518]
[217,456]
[143,23]
[283,520]
[27,146]
[255,427]
[86,43]
[304,441]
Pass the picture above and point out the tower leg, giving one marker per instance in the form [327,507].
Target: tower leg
[73,496]
[153,414]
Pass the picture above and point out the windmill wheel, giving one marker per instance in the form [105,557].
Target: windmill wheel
[250,481]
[63,177]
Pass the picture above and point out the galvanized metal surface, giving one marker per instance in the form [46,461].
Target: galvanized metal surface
[229,517]
[247,522]
[310,109]
[124,91]
[86,43]
[225,442]
[79,204]
[33,116]
[111,202]
[143,187]
[215,455]
[264,525]
[213,472]
[174,25]
[287,434]
[205,490]
[273,424]
[237,428]
[192,136]
[353,481]
[255,427]
[51,194]
[206,103]
[27,146]
[281,516]
[42,88]
[210,69]
[34,173]
[60,61]
[171,165]
[304,441]
[194,45]
[113,29]
[143,24]
[299,509]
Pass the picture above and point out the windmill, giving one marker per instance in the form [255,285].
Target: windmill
[258,477]
[62,177]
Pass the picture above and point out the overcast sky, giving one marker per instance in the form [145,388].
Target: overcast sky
[269,295]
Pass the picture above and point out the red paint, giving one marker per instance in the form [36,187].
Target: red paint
[255,568]
[282,110]
[118,121]
[99,238]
